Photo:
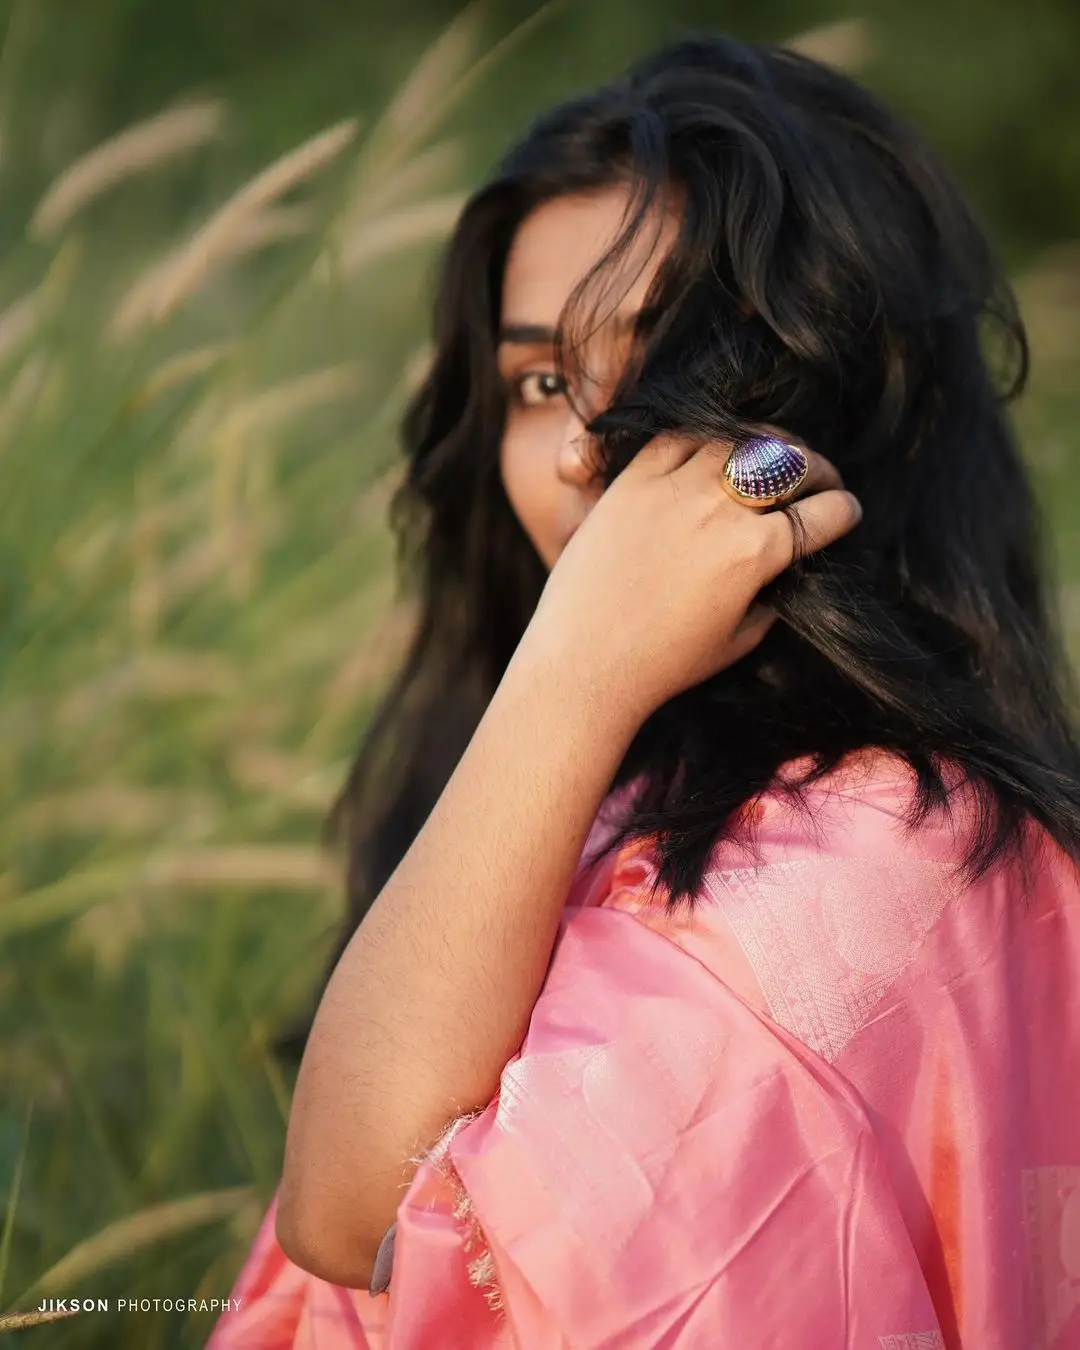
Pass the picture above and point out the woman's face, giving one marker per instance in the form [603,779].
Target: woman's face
[546,459]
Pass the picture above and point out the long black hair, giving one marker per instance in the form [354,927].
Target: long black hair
[828,277]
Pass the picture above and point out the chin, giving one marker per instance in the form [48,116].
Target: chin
[556,550]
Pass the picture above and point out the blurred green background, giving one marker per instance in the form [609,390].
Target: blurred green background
[218,224]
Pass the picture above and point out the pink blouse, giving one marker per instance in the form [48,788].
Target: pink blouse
[838,1107]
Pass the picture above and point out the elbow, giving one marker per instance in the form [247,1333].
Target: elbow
[318,1246]
[316,1224]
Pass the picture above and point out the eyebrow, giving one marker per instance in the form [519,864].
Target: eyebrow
[539,334]
[526,334]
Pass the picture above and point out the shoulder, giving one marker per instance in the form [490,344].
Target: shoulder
[861,809]
[828,908]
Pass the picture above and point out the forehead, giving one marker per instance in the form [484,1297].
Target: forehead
[559,241]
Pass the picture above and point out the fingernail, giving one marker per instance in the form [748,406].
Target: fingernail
[857,504]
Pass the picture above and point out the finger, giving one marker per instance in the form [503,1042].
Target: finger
[667,452]
[803,527]
[821,474]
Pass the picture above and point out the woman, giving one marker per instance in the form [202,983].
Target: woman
[717,976]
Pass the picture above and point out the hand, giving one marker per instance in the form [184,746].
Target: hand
[656,590]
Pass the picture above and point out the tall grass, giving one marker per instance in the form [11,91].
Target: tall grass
[198,610]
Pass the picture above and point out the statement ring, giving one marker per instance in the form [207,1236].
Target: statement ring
[765,470]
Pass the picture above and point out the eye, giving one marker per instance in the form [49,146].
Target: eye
[534,387]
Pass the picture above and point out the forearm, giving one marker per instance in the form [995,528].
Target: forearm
[433,994]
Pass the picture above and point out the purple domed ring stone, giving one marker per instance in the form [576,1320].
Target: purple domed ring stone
[765,471]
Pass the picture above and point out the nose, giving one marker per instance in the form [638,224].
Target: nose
[577,461]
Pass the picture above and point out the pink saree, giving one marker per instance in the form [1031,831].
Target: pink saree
[838,1107]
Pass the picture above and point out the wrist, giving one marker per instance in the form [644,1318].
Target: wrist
[583,686]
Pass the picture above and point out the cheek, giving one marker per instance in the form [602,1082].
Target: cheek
[529,481]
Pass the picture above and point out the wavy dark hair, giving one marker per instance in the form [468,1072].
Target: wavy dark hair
[829,277]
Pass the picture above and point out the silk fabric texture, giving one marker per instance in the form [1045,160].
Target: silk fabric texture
[837,1107]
